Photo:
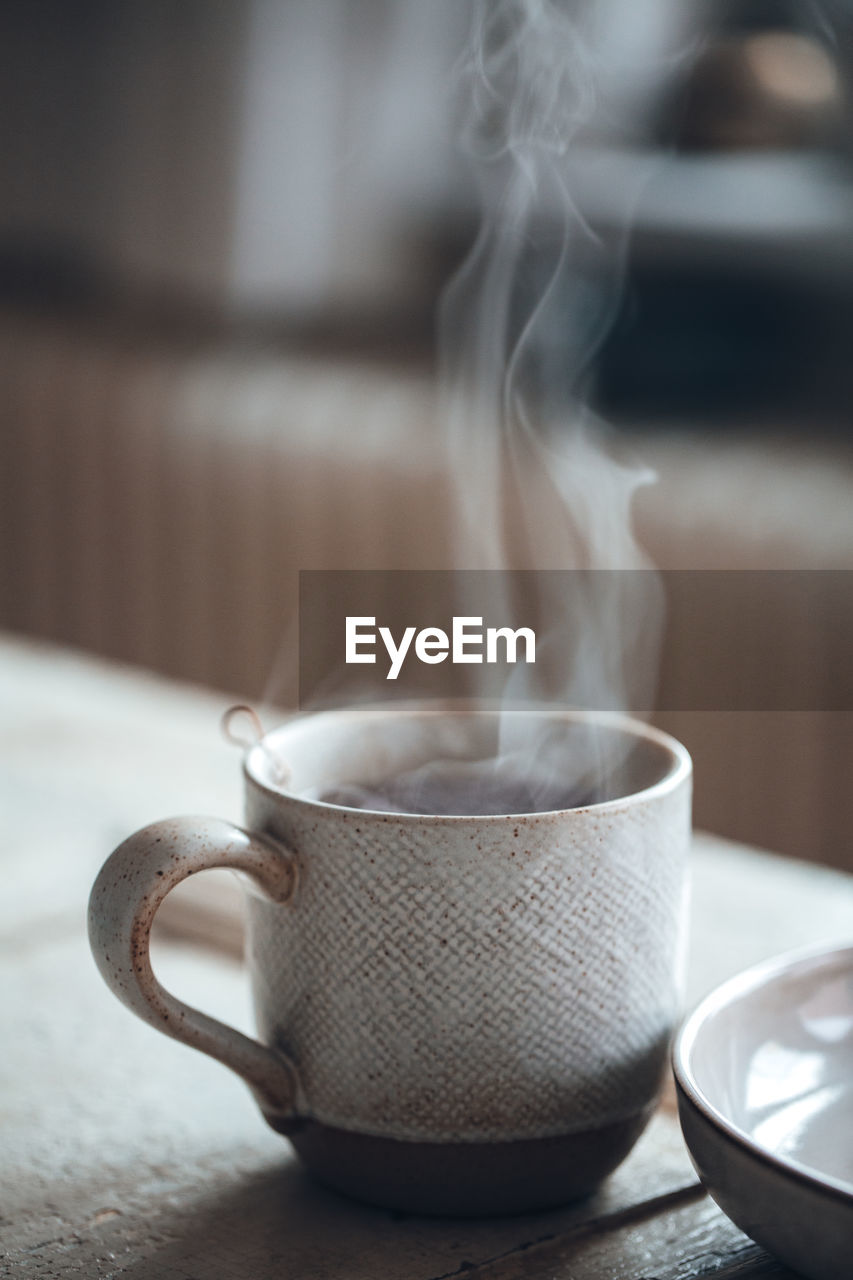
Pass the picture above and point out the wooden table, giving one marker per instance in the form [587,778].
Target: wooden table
[124,1153]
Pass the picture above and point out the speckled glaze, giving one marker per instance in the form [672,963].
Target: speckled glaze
[425,982]
[132,883]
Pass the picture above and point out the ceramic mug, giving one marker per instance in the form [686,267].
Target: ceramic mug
[455,1014]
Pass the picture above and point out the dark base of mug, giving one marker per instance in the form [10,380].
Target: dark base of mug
[465,1179]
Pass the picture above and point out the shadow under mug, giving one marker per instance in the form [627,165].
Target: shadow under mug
[455,1014]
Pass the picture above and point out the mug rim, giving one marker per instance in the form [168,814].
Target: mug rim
[680,767]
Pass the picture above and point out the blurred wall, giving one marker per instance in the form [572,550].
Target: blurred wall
[121,131]
[241,153]
[274,155]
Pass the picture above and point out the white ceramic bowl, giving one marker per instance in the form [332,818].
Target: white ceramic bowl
[764,1071]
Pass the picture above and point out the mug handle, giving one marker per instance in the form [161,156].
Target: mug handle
[124,900]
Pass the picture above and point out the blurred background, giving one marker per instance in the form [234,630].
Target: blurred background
[224,229]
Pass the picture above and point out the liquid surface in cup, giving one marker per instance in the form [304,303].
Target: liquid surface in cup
[465,788]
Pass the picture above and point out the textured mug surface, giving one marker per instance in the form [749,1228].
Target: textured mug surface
[472,1013]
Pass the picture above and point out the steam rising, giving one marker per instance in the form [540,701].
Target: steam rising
[536,487]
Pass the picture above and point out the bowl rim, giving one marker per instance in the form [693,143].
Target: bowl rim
[801,960]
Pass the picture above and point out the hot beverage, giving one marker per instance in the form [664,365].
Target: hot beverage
[466,789]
